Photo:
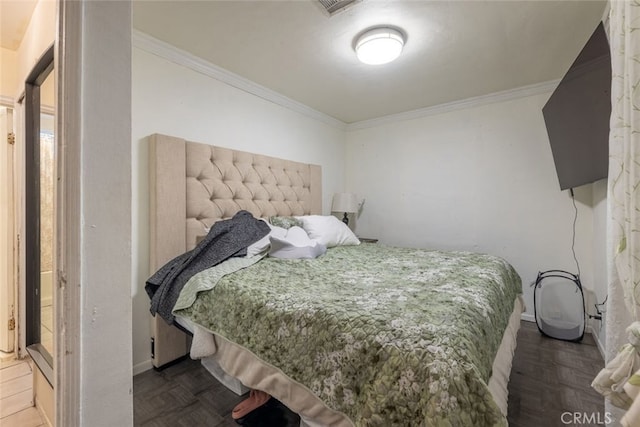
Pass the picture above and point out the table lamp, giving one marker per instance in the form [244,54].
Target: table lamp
[346,203]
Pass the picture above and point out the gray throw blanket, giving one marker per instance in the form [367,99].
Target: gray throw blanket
[226,239]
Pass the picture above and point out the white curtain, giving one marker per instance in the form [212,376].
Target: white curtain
[624,151]
[623,305]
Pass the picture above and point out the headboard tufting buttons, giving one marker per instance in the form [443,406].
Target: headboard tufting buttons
[230,181]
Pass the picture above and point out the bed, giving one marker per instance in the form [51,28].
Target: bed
[333,339]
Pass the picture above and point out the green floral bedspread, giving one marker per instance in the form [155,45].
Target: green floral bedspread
[388,336]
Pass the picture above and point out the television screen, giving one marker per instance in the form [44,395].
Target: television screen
[577,116]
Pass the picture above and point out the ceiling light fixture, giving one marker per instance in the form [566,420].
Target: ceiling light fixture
[379,45]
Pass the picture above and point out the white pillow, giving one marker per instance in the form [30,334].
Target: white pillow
[278,231]
[297,237]
[264,244]
[328,230]
[258,247]
[295,245]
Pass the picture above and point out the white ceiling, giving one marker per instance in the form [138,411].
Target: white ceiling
[455,49]
[14,20]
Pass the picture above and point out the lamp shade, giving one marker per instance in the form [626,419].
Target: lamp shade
[344,202]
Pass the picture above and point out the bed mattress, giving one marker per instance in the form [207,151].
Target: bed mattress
[369,335]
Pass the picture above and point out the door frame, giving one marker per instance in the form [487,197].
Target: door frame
[8,293]
[67,277]
[93,302]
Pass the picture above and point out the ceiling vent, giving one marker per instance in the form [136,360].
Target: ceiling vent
[334,6]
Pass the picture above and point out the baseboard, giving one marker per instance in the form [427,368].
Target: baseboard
[43,414]
[527,317]
[46,301]
[142,367]
[596,338]
[44,398]
[6,357]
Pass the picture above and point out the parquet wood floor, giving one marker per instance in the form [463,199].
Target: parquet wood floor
[549,377]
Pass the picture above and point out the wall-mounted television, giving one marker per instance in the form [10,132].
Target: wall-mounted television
[577,115]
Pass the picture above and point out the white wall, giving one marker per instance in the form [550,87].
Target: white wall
[104,87]
[174,100]
[481,179]
[8,74]
[39,36]
[15,65]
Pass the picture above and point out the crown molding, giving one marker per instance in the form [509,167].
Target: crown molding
[501,96]
[171,53]
[178,56]
[6,101]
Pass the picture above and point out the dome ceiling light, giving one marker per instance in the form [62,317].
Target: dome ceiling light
[379,45]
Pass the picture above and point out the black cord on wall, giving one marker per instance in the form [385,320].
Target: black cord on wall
[600,311]
[573,241]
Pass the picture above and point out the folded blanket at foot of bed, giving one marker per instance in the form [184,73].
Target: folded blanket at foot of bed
[226,239]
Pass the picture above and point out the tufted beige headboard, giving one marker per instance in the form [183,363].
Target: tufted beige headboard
[220,182]
[193,185]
